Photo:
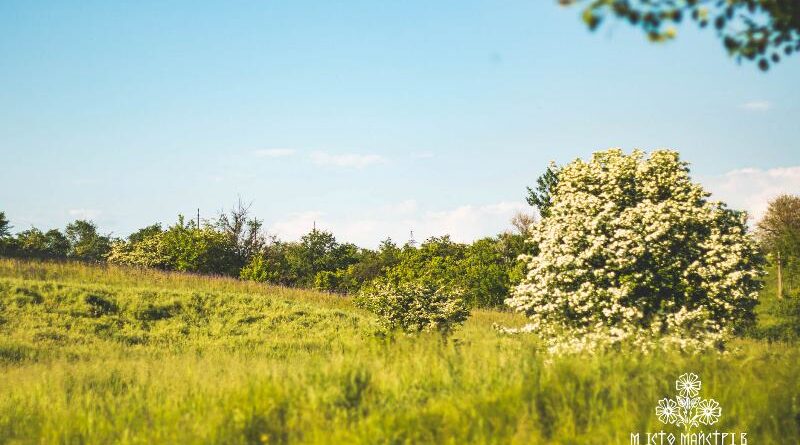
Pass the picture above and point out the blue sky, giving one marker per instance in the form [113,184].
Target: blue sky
[371,118]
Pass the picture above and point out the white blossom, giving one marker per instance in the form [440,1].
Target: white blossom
[633,251]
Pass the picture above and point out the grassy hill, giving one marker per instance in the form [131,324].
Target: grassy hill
[95,354]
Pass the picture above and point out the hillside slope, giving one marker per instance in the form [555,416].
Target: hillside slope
[113,355]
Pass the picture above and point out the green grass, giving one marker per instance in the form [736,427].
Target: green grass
[113,355]
[779,319]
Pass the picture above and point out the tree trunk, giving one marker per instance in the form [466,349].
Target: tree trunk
[780,278]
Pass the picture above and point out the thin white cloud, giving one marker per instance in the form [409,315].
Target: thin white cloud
[409,206]
[298,224]
[751,189]
[274,152]
[347,160]
[756,105]
[89,214]
[470,222]
[465,223]
[422,155]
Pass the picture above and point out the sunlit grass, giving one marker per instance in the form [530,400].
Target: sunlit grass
[114,355]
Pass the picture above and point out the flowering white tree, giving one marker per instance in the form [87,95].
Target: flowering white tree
[632,250]
[415,306]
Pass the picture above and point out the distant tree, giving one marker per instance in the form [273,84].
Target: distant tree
[523,222]
[484,273]
[257,269]
[85,243]
[31,242]
[434,262]
[56,243]
[318,251]
[540,197]
[34,242]
[329,281]
[358,266]
[245,233]
[5,226]
[755,30]
[183,246]
[779,233]
[198,249]
[145,232]
[513,248]
[270,265]
[5,234]
[371,264]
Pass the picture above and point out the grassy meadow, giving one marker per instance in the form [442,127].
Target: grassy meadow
[99,354]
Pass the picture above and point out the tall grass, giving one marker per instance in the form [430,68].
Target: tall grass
[113,355]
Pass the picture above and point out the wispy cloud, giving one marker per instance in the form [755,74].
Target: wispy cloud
[422,155]
[396,220]
[407,207]
[295,225]
[274,152]
[751,189]
[756,105]
[350,160]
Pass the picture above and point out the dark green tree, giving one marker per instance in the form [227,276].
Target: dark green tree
[779,235]
[5,234]
[56,243]
[5,226]
[485,273]
[186,247]
[755,30]
[540,197]
[34,242]
[31,242]
[145,232]
[244,233]
[85,242]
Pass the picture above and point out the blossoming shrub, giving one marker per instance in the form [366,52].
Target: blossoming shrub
[632,250]
[415,306]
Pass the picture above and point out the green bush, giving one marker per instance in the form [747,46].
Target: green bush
[415,306]
[182,247]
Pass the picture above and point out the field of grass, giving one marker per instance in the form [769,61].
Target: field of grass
[110,355]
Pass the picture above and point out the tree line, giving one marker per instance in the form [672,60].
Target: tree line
[236,244]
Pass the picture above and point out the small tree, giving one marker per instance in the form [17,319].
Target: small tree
[31,242]
[5,226]
[779,232]
[85,242]
[415,306]
[244,233]
[5,233]
[541,196]
[34,242]
[632,249]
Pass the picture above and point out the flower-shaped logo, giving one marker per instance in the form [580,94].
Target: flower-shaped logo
[688,385]
[667,411]
[709,411]
[687,409]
